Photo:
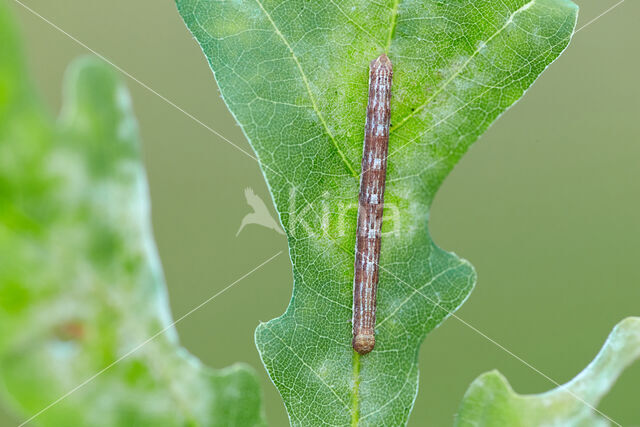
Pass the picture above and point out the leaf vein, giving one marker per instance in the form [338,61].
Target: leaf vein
[266,326]
[462,67]
[305,80]
[418,290]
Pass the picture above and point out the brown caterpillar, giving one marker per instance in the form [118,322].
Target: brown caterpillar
[370,204]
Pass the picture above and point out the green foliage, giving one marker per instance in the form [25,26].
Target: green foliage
[294,73]
[490,401]
[80,281]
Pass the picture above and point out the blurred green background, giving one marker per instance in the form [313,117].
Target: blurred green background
[545,206]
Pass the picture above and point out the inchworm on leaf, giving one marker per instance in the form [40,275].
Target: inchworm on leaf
[370,204]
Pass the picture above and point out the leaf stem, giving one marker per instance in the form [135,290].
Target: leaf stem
[355,396]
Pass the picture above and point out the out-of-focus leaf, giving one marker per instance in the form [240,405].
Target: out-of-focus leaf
[295,73]
[490,400]
[80,281]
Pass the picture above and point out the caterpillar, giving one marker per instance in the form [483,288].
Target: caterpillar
[370,204]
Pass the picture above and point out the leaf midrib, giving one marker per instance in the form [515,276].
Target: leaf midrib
[394,23]
[355,393]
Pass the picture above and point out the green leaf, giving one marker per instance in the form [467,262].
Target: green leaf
[295,73]
[490,400]
[80,281]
